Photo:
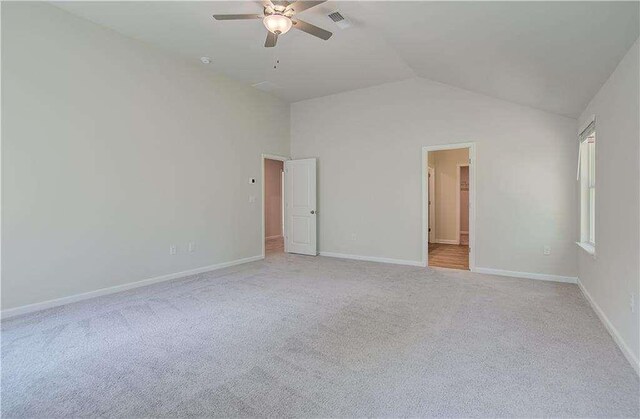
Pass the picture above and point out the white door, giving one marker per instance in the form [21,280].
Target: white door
[300,206]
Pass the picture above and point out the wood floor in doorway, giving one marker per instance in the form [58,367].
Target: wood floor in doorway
[449,256]
[274,245]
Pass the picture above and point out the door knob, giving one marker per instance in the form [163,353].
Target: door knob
[312,212]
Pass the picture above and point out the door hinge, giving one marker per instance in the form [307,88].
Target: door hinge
[469,161]
[469,249]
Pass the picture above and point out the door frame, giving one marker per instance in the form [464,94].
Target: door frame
[459,166]
[472,199]
[262,159]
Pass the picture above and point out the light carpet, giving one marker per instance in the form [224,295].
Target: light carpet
[315,336]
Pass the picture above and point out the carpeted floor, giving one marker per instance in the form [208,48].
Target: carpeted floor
[307,337]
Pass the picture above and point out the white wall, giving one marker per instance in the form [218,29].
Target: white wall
[613,277]
[369,144]
[112,151]
[446,191]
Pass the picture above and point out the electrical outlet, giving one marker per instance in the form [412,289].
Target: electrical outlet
[354,237]
[252,199]
[546,250]
[632,303]
[173,249]
[191,247]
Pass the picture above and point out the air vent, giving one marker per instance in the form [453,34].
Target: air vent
[339,20]
[336,16]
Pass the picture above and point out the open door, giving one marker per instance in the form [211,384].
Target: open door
[300,206]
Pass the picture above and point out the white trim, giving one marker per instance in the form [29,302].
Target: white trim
[275,157]
[527,275]
[29,308]
[446,241]
[611,329]
[424,174]
[373,259]
[472,199]
[262,158]
[588,247]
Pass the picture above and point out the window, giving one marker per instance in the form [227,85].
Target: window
[587,178]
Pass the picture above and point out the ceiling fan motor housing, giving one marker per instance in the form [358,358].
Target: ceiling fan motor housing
[277,18]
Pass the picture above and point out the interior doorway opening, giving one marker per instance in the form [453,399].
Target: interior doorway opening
[273,205]
[289,212]
[448,211]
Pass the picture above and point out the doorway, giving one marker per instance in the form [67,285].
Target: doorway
[273,204]
[448,213]
[289,215]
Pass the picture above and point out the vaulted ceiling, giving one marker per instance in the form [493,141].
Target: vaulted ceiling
[552,56]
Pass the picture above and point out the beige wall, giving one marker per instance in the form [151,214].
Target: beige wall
[113,150]
[445,163]
[273,197]
[464,199]
[612,278]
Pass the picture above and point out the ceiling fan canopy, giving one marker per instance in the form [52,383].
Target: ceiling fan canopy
[278,18]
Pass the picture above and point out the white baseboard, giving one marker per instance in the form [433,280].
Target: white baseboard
[446,241]
[527,275]
[373,259]
[11,312]
[279,236]
[611,329]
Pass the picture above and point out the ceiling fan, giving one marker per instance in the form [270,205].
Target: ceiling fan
[278,18]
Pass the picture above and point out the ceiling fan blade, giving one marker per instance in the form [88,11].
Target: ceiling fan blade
[311,29]
[272,38]
[301,5]
[237,17]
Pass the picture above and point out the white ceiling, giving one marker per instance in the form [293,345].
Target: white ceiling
[549,55]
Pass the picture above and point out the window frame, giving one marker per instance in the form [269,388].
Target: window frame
[587,178]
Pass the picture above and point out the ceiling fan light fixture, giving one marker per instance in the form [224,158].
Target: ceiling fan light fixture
[277,24]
